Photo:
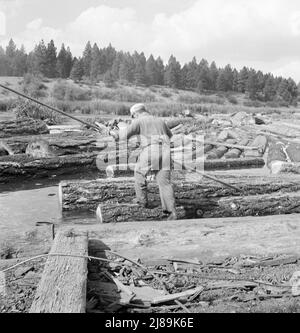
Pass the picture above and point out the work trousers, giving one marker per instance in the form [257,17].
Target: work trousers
[155,159]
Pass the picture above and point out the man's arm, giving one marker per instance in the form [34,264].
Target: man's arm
[168,131]
[128,132]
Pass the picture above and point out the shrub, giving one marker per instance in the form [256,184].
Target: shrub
[253,104]
[33,86]
[124,95]
[194,99]
[65,91]
[28,109]
[166,94]
[7,104]
[231,99]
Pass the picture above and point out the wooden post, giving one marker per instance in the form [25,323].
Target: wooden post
[62,288]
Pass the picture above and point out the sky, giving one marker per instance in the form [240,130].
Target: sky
[263,34]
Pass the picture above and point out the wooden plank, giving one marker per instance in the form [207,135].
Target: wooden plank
[62,288]
[204,239]
[173,297]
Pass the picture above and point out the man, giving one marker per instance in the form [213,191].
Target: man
[155,157]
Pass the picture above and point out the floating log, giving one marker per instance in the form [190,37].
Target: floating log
[62,288]
[60,144]
[276,157]
[280,130]
[261,143]
[279,167]
[230,164]
[23,166]
[87,195]
[125,169]
[112,213]
[23,126]
[255,205]
[236,152]
[220,151]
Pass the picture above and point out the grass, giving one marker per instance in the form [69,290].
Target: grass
[89,99]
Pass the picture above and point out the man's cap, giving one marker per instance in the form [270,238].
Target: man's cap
[137,108]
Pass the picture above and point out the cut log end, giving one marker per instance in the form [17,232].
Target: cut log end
[276,167]
[99,216]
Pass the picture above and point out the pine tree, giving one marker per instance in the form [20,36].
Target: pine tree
[51,60]
[192,74]
[3,63]
[109,56]
[204,82]
[172,73]
[109,79]
[87,59]
[20,62]
[115,70]
[214,74]
[269,90]
[95,63]
[61,63]
[160,71]
[252,86]
[11,51]
[221,81]
[126,70]
[40,63]
[68,62]
[150,70]
[235,85]
[283,91]
[228,73]
[77,71]
[139,68]
[242,79]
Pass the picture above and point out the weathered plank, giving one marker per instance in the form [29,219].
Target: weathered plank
[62,288]
[204,239]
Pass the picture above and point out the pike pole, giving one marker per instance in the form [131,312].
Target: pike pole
[51,108]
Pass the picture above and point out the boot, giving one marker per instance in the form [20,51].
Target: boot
[139,202]
[172,216]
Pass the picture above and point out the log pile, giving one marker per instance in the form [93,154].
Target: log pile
[23,126]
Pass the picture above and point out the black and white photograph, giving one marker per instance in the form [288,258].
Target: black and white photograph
[149,159]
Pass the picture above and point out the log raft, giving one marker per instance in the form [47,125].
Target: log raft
[201,198]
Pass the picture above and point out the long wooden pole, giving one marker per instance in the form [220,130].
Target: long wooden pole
[49,107]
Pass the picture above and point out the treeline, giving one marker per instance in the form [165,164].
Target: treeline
[109,65]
